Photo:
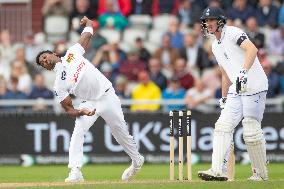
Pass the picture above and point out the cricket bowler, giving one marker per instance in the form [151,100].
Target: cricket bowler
[76,75]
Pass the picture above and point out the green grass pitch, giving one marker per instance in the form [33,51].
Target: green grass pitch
[108,176]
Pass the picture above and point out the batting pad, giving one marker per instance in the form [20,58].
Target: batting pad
[254,139]
[222,134]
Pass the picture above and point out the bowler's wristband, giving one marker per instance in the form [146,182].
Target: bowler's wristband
[88,29]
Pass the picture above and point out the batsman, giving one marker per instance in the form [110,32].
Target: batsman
[244,88]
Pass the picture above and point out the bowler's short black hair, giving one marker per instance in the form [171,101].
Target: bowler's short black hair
[40,53]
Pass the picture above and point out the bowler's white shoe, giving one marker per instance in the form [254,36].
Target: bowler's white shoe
[132,170]
[209,175]
[75,176]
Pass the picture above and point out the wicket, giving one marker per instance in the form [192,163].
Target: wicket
[184,119]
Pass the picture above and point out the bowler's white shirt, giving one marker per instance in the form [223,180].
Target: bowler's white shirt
[76,75]
[230,56]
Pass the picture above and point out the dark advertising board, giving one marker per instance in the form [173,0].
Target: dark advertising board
[45,138]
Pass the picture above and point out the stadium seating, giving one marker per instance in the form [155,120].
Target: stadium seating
[130,34]
[161,22]
[111,35]
[140,21]
[56,27]
[155,36]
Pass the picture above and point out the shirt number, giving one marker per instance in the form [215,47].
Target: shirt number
[63,75]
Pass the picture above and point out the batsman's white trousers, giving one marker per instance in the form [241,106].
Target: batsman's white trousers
[238,107]
[109,108]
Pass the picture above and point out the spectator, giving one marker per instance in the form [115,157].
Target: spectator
[175,35]
[144,54]
[132,66]
[193,53]
[276,41]
[112,18]
[254,34]
[180,71]
[167,55]
[3,86]
[281,15]
[208,59]
[123,6]
[82,8]
[174,91]
[24,81]
[165,6]
[156,75]
[20,56]
[120,86]
[31,47]
[39,89]
[273,78]
[280,71]
[13,93]
[212,79]
[240,10]
[56,7]
[142,7]
[98,41]
[201,3]
[197,96]
[6,53]
[106,69]
[216,3]
[145,90]
[111,54]
[90,52]
[266,13]
[188,13]
[199,35]
[60,48]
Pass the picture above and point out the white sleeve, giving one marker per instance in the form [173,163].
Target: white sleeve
[60,94]
[77,49]
[238,35]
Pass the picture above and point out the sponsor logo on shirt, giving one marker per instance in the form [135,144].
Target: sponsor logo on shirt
[70,57]
[78,71]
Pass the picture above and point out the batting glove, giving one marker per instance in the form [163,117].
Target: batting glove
[241,83]
[222,102]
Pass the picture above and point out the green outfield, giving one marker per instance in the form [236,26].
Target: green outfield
[108,176]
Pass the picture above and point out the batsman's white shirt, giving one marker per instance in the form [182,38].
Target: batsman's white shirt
[231,58]
[76,75]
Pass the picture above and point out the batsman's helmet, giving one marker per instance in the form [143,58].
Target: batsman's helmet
[213,13]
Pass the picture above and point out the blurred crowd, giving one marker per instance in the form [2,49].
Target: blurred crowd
[148,49]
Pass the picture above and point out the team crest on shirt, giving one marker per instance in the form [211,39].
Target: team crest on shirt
[70,57]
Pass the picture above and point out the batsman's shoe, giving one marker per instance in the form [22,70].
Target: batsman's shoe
[132,170]
[255,177]
[209,175]
[75,176]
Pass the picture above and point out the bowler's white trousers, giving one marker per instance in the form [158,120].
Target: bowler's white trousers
[109,108]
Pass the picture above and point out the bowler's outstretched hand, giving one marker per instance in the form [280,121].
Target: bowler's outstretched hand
[86,22]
